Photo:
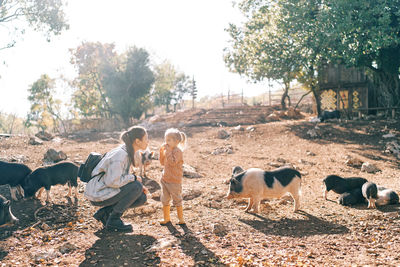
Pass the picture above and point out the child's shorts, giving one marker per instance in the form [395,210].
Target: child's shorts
[170,190]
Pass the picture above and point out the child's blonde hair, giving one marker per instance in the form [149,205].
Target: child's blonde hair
[178,135]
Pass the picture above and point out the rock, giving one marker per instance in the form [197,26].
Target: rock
[191,194]
[190,172]
[273,117]
[67,247]
[41,256]
[45,136]
[312,133]
[238,128]
[54,156]
[223,150]
[389,135]
[219,229]
[250,129]
[156,118]
[353,162]
[223,134]
[147,209]
[310,153]
[314,119]
[35,141]
[392,147]
[18,158]
[370,168]
[164,243]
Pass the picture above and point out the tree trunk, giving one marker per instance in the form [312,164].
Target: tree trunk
[315,92]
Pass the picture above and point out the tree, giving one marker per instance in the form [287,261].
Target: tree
[300,36]
[90,97]
[45,110]
[182,85]
[127,82]
[193,91]
[170,86]
[42,15]
[282,40]
[165,75]
[368,34]
[260,49]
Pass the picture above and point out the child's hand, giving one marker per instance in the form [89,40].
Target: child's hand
[139,179]
[168,147]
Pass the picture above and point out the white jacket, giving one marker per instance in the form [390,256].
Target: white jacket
[116,165]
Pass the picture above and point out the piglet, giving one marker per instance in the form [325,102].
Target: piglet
[142,159]
[370,192]
[6,216]
[386,196]
[341,185]
[258,184]
[352,197]
[329,114]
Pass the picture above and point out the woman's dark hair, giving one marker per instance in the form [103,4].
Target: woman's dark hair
[129,137]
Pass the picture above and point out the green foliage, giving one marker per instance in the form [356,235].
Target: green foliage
[287,39]
[89,58]
[11,124]
[127,83]
[45,110]
[193,91]
[42,15]
[170,86]
[369,34]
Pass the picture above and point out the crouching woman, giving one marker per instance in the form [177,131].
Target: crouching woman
[112,187]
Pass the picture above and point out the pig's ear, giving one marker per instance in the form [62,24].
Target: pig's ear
[234,181]
[152,154]
[236,170]
[141,153]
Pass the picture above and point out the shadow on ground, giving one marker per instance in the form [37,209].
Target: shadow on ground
[308,226]
[192,247]
[366,134]
[121,249]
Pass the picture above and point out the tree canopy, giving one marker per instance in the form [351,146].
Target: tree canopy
[286,39]
[90,97]
[42,15]
[127,83]
[45,109]
[170,85]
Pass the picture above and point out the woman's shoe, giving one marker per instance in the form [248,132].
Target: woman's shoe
[102,214]
[114,222]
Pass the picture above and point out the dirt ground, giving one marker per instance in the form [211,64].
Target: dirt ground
[218,231]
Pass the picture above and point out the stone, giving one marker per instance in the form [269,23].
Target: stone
[45,136]
[54,156]
[223,134]
[35,141]
[190,172]
[370,168]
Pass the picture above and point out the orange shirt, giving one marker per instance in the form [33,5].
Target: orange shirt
[172,160]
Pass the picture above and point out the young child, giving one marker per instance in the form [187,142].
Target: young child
[171,157]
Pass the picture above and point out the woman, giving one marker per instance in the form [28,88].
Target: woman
[117,190]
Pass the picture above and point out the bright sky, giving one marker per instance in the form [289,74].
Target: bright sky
[190,34]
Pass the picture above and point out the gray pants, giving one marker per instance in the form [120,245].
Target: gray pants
[130,196]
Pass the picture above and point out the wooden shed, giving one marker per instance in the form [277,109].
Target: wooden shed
[345,89]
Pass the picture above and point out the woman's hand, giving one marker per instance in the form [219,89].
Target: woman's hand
[145,190]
